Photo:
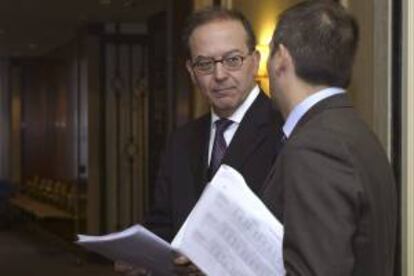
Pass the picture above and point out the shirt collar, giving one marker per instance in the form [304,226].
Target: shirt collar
[299,110]
[238,115]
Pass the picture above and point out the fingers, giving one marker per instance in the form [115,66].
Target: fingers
[122,267]
[183,266]
[138,272]
[126,269]
[182,261]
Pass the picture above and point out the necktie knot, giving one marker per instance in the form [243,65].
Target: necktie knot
[222,124]
[219,146]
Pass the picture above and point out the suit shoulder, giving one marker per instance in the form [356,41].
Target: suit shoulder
[338,133]
[190,129]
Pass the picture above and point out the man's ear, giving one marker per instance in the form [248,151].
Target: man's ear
[274,62]
[284,59]
[190,70]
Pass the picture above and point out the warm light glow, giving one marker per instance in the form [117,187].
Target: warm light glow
[266,33]
[264,55]
[264,36]
[262,76]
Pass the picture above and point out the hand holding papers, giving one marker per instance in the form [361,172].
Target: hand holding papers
[230,231]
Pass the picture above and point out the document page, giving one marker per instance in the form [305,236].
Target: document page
[230,231]
[135,245]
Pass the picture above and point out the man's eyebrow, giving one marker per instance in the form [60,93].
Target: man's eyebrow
[235,51]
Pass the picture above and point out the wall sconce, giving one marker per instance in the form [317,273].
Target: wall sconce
[262,77]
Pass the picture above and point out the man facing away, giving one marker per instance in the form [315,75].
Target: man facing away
[332,186]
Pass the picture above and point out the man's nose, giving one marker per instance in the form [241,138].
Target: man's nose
[220,72]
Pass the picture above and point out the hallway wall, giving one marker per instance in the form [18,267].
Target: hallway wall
[48,117]
[38,119]
[371,81]
[361,88]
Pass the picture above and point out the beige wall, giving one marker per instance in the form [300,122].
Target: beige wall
[263,15]
[370,88]
[361,88]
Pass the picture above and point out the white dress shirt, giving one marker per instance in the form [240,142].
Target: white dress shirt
[236,117]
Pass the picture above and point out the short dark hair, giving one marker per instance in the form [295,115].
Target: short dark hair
[216,13]
[322,38]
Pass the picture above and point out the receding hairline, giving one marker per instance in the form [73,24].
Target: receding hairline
[217,21]
[214,15]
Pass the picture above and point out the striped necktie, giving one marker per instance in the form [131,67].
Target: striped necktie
[219,146]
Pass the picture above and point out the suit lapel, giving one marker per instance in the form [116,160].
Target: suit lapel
[257,125]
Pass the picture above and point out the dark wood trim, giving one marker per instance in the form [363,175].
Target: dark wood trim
[396,136]
[102,166]
[125,38]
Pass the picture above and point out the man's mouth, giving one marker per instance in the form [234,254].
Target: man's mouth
[222,89]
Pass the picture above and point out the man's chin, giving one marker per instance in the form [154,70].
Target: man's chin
[224,109]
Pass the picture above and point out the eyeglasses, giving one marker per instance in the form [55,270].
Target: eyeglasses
[206,65]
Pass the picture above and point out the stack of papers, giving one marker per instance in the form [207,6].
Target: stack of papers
[229,232]
[136,246]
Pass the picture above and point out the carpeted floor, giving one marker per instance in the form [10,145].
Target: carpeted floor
[26,254]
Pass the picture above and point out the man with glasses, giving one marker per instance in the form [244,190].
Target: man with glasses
[242,128]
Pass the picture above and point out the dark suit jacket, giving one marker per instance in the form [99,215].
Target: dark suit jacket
[183,171]
[333,189]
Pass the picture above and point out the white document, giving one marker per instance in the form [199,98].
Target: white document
[136,246]
[230,231]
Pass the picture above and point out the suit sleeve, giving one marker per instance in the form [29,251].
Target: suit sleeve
[159,217]
[321,202]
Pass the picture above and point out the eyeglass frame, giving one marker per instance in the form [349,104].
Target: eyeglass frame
[222,61]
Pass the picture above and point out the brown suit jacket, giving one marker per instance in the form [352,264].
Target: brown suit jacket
[333,189]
